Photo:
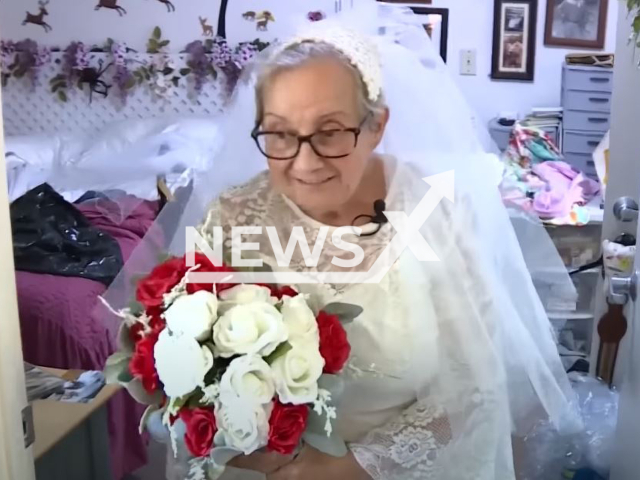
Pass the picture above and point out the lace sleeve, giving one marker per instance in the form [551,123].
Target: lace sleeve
[407,447]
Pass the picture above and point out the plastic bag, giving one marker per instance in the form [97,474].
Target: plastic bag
[552,456]
[51,236]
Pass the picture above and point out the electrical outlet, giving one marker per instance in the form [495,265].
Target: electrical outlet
[467,62]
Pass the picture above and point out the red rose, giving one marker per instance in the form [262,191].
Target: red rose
[280,292]
[164,277]
[161,280]
[201,428]
[207,266]
[142,365]
[286,426]
[334,346]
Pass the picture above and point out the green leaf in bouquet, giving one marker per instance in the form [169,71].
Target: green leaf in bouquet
[221,453]
[185,71]
[125,377]
[281,350]
[345,312]
[62,96]
[316,433]
[220,364]
[157,33]
[125,343]
[140,395]
[150,410]
[115,366]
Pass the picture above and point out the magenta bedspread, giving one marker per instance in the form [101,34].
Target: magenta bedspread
[59,328]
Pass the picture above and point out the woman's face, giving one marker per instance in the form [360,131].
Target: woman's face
[318,96]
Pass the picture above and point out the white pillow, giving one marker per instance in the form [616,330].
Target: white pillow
[38,150]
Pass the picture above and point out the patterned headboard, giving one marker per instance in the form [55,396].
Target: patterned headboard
[30,110]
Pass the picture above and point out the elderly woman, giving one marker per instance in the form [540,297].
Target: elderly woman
[341,146]
[451,357]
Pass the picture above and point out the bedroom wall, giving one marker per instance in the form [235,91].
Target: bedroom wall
[78,20]
[471,27]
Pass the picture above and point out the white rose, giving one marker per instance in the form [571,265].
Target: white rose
[252,328]
[300,320]
[193,315]
[242,425]
[247,377]
[297,373]
[243,294]
[181,363]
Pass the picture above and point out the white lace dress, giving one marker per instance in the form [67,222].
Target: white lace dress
[423,396]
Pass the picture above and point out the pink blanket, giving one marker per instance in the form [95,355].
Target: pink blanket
[59,328]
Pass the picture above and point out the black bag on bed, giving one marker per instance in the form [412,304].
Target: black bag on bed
[51,236]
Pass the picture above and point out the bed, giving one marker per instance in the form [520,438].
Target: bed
[59,321]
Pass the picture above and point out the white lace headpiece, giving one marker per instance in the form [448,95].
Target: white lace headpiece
[358,48]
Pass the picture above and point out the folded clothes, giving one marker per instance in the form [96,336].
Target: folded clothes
[538,181]
[564,188]
[82,390]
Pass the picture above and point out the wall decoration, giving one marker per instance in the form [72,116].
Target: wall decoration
[38,18]
[207,30]
[514,39]
[111,5]
[22,59]
[262,19]
[576,23]
[316,16]
[436,23]
[222,19]
[99,69]
[169,5]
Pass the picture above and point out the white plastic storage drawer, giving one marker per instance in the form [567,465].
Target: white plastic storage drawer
[587,101]
[581,142]
[588,79]
[587,121]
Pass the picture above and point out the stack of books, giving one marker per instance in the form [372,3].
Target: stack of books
[548,119]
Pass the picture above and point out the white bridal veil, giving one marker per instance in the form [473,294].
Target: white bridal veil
[498,372]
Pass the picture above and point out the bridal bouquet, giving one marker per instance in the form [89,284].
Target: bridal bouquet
[232,369]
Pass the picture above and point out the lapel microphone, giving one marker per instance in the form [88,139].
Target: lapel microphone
[379,206]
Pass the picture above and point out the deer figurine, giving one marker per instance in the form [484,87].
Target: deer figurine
[112,5]
[170,6]
[207,30]
[263,20]
[38,19]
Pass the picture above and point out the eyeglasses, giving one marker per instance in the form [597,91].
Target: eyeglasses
[334,143]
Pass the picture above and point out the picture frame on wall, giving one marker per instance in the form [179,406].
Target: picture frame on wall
[576,23]
[514,39]
[436,24]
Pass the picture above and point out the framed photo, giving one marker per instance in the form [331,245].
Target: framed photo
[514,39]
[576,23]
[436,24]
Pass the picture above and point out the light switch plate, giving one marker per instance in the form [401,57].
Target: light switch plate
[468,62]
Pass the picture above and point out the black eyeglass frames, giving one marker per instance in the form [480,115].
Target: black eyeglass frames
[332,143]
